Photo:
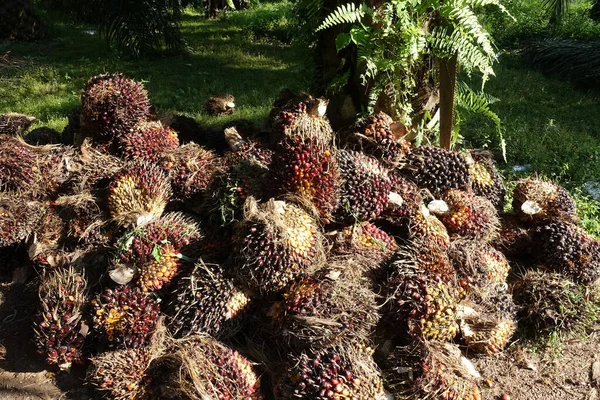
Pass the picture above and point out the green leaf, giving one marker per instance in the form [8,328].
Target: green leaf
[341,41]
[359,36]
[230,4]
[156,253]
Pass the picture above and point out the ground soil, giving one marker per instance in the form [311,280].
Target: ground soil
[519,373]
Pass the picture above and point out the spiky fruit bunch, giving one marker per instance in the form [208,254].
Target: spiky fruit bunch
[330,309]
[125,317]
[200,367]
[514,239]
[568,249]
[399,212]
[138,194]
[191,169]
[365,187]
[85,217]
[155,249]
[205,301]
[427,228]
[486,334]
[429,258]
[111,105]
[306,168]
[277,243]
[485,179]
[538,200]
[364,238]
[479,267]
[15,124]
[466,215]
[436,169]
[148,141]
[58,325]
[552,303]
[333,373]
[377,138]
[19,166]
[445,375]
[121,374]
[18,218]
[421,302]
[42,136]
[304,119]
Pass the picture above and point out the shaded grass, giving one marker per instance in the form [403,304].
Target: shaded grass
[224,60]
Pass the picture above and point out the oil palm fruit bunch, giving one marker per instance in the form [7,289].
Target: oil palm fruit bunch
[427,228]
[568,249]
[365,187]
[86,217]
[20,171]
[421,302]
[514,239]
[155,250]
[138,194]
[487,333]
[111,105]
[302,117]
[18,218]
[479,266]
[446,374]
[125,317]
[329,309]
[428,257]
[205,302]
[59,327]
[192,169]
[15,124]
[551,303]
[466,215]
[276,243]
[147,141]
[332,373]
[307,168]
[42,136]
[378,136]
[399,212]
[537,201]
[485,179]
[122,374]
[199,367]
[363,238]
[48,237]
[436,169]
[220,105]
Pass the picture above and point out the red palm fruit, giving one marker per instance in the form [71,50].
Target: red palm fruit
[331,373]
[430,258]
[205,302]
[569,250]
[18,218]
[59,328]
[330,309]
[304,118]
[538,200]
[125,317]
[199,367]
[427,228]
[48,238]
[486,181]
[155,249]
[421,302]
[111,105]
[138,194]
[466,215]
[379,136]
[365,188]
[276,243]
[487,333]
[436,169]
[365,239]
[148,141]
[306,168]
[86,218]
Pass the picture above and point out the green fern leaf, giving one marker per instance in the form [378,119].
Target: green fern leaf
[344,14]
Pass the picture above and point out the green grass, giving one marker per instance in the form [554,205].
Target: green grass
[225,59]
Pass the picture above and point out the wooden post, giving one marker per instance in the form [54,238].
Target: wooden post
[447,87]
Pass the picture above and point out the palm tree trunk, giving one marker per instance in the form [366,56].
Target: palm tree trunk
[447,87]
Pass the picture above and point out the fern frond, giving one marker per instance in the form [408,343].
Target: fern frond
[466,20]
[344,14]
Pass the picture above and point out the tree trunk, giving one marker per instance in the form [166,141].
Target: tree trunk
[447,86]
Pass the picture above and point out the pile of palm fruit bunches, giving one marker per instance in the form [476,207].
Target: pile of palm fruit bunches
[297,264]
